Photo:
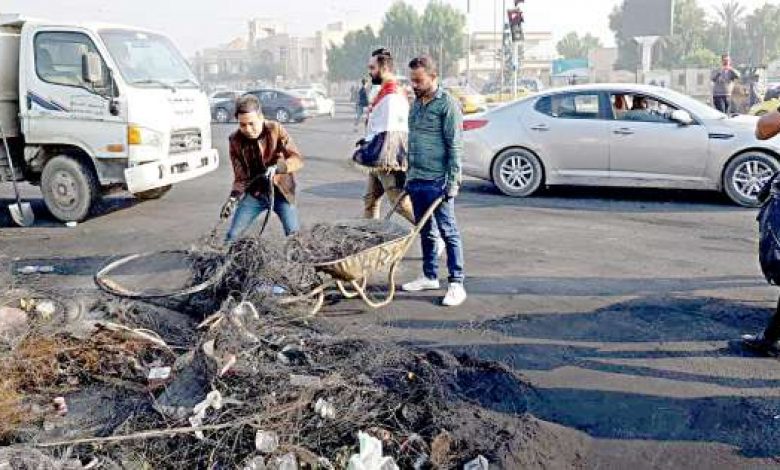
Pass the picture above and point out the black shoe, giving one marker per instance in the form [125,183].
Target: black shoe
[761,345]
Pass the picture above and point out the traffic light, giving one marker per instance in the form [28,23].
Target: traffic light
[516,24]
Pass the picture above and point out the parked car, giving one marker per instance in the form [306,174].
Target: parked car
[223,107]
[470,101]
[315,102]
[223,95]
[618,135]
[281,106]
[765,107]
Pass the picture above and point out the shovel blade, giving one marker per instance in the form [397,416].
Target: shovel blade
[22,214]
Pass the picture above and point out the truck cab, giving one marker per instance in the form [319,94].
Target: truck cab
[88,108]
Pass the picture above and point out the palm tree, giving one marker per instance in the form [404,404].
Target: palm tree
[730,13]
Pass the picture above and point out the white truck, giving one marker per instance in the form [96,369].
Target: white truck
[89,108]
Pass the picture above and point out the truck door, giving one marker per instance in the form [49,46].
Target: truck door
[59,105]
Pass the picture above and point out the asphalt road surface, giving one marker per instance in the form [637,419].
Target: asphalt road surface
[618,305]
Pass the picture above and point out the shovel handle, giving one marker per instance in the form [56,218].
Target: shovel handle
[10,165]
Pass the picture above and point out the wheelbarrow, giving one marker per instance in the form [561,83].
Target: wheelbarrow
[350,274]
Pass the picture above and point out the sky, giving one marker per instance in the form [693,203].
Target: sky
[196,24]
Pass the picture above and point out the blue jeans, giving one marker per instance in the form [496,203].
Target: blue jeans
[250,208]
[423,194]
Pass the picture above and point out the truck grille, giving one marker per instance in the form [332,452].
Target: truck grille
[186,140]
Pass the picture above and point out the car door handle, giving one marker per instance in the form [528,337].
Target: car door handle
[540,128]
[623,131]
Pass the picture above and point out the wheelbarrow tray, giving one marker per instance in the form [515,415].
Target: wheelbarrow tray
[363,263]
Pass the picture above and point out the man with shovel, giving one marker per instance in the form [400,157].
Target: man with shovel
[264,159]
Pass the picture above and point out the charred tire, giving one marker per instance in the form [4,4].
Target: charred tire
[746,174]
[517,172]
[70,188]
[155,193]
[282,115]
[221,115]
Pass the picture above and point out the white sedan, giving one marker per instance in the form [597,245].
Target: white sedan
[315,102]
[618,135]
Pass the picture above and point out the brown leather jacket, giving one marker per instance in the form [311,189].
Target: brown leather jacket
[251,158]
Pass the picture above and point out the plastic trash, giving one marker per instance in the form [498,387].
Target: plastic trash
[36,269]
[60,406]
[310,381]
[46,308]
[325,409]
[257,463]
[292,355]
[370,456]
[266,442]
[287,462]
[71,224]
[480,463]
[213,400]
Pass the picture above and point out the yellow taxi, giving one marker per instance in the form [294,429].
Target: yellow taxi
[766,107]
[505,95]
[470,101]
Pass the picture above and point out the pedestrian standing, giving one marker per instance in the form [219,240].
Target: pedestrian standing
[766,342]
[264,159]
[435,159]
[723,81]
[361,102]
[384,149]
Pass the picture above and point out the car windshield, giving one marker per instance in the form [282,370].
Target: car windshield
[148,60]
[693,106]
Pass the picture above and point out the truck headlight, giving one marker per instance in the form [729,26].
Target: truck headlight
[137,135]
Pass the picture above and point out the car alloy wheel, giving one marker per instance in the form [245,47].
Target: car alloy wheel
[750,176]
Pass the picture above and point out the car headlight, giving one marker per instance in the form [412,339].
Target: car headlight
[137,135]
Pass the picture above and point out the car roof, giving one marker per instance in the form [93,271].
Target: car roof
[627,87]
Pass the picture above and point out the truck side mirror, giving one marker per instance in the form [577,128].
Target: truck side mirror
[92,69]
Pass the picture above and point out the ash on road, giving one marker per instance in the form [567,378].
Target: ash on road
[617,305]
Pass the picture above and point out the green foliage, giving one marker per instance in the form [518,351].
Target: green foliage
[572,46]
[438,32]
[700,37]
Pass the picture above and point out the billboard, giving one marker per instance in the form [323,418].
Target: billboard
[648,18]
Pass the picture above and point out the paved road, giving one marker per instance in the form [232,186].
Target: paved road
[618,305]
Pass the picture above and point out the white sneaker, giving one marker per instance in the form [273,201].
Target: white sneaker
[420,284]
[456,295]
[441,247]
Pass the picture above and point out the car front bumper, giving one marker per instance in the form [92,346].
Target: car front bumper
[172,170]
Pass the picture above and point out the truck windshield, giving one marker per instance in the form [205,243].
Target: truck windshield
[148,60]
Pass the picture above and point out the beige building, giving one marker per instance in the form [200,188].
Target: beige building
[485,57]
[297,59]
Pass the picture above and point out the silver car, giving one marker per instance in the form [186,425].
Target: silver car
[618,135]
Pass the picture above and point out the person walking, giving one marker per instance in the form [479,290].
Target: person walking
[264,158]
[361,102]
[723,81]
[435,160]
[766,342]
[384,149]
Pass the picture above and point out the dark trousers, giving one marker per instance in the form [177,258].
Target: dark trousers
[423,194]
[722,103]
[772,332]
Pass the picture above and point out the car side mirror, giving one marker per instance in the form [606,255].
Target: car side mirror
[682,117]
[92,69]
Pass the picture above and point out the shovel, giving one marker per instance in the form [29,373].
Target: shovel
[21,212]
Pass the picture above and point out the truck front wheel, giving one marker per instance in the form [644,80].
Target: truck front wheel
[69,188]
[155,193]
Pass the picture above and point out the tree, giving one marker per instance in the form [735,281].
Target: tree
[730,14]
[442,28]
[687,39]
[438,32]
[348,61]
[572,46]
[685,42]
[762,32]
